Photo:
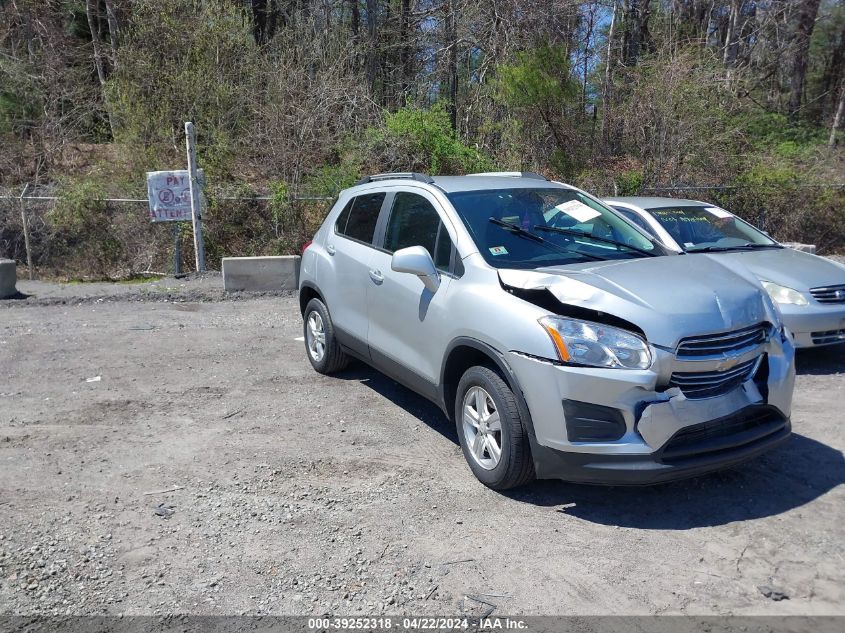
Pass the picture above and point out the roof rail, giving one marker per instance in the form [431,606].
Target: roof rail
[512,174]
[408,175]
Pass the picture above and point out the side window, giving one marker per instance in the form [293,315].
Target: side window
[343,218]
[359,216]
[415,222]
[636,219]
[443,248]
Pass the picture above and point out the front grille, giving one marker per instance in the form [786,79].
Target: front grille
[719,344]
[829,294]
[828,336]
[736,431]
[708,384]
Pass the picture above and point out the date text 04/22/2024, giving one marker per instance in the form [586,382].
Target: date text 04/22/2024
[416,623]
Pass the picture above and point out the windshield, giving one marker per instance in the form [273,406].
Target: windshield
[516,228]
[705,227]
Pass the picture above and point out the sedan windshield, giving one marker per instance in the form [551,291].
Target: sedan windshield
[532,228]
[707,229]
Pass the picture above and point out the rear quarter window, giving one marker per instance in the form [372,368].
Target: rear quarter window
[359,217]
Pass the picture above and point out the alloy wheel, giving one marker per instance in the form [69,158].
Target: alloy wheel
[315,336]
[482,428]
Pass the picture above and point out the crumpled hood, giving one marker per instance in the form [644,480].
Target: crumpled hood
[669,297]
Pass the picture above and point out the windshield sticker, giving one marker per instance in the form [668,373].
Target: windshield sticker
[511,219]
[719,213]
[675,215]
[498,250]
[578,210]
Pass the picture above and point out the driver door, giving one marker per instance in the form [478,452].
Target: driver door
[407,321]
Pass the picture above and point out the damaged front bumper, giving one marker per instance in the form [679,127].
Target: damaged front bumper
[651,434]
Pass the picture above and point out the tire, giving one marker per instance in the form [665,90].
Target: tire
[514,466]
[327,358]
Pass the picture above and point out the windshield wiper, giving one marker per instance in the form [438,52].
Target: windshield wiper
[518,230]
[515,228]
[748,246]
[606,240]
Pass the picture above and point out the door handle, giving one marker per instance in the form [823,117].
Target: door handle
[330,249]
[376,276]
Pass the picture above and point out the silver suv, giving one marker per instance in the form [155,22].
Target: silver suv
[562,340]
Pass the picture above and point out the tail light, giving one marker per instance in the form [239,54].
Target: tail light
[306,245]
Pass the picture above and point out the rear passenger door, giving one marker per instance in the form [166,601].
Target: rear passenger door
[346,282]
[407,322]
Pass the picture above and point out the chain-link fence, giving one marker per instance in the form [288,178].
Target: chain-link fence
[114,237]
[75,236]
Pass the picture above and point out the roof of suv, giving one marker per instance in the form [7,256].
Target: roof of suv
[476,182]
[451,184]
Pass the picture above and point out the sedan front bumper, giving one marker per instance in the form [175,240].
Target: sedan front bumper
[814,325]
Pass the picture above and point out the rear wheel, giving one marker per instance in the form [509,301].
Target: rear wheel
[491,431]
[322,347]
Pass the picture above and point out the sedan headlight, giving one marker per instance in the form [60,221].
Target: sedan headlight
[596,345]
[782,294]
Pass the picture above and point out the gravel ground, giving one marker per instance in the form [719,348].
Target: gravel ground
[164,449]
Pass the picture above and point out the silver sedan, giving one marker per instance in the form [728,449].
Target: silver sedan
[809,290]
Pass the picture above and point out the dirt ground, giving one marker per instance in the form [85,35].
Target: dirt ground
[301,494]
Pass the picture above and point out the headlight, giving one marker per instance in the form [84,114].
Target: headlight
[782,294]
[596,345]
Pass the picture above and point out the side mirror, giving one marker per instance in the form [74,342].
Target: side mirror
[417,261]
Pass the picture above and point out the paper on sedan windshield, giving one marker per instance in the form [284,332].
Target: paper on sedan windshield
[578,210]
[719,213]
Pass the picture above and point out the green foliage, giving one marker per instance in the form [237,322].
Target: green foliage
[19,94]
[83,224]
[13,111]
[184,61]
[280,193]
[677,119]
[767,130]
[629,182]
[286,221]
[330,180]
[539,91]
[765,175]
[421,139]
[540,78]
[80,208]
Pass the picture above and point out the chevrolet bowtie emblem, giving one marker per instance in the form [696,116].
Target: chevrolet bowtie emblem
[727,363]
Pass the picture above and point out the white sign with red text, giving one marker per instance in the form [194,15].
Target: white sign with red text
[169,194]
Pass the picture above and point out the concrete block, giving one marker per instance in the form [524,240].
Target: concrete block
[261,274]
[804,248]
[8,278]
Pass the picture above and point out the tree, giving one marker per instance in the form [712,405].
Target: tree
[806,22]
[839,116]
[265,14]
[607,84]
[451,46]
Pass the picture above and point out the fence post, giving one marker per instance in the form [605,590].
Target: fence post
[196,211]
[25,224]
[177,248]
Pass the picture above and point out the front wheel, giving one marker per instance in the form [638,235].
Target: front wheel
[491,431]
[322,347]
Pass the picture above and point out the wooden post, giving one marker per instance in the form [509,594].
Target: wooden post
[25,223]
[196,211]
